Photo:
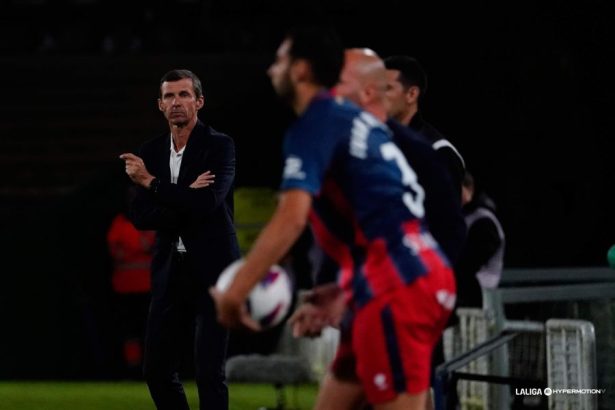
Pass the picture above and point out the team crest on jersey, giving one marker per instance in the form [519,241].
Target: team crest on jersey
[380,381]
[292,168]
[446,299]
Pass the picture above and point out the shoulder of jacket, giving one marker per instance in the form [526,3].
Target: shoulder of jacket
[444,145]
[219,136]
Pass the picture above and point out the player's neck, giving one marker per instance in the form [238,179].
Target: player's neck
[378,110]
[304,94]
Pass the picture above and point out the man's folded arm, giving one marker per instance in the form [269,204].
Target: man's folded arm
[194,203]
[147,214]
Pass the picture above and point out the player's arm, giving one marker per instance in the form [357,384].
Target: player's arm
[285,226]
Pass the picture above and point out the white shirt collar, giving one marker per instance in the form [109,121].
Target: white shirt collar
[172,148]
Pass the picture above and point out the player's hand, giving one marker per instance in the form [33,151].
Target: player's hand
[136,170]
[323,306]
[232,312]
[203,180]
[330,298]
[308,321]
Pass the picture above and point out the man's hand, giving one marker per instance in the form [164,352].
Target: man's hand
[135,169]
[232,311]
[323,306]
[308,320]
[203,180]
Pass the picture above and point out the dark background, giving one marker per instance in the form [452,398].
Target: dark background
[524,90]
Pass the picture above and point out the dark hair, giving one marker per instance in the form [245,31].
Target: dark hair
[322,48]
[180,74]
[410,71]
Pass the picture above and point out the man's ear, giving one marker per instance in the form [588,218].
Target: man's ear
[200,102]
[160,107]
[412,94]
[366,94]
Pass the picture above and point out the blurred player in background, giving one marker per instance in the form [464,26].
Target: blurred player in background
[365,205]
[131,253]
[364,82]
[482,257]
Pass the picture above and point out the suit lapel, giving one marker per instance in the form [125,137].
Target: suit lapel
[163,160]
[197,143]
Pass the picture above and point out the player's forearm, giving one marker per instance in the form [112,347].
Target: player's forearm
[273,243]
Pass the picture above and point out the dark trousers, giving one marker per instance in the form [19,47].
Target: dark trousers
[186,309]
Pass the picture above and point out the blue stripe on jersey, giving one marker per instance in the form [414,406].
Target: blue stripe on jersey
[388,325]
[408,268]
[361,291]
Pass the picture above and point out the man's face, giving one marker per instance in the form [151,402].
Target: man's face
[279,72]
[178,102]
[349,85]
[395,94]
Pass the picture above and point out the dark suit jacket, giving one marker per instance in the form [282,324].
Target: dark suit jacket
[448,154]
[202,217]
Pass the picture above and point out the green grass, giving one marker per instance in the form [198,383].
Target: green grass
[134,396]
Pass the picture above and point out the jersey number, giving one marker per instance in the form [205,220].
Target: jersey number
[390,152]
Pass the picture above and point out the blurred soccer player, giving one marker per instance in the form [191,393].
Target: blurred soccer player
[366,207]
[482,257]
[364,81]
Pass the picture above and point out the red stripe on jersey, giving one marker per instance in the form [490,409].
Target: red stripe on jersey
[336,249]
[332,191]
[379,269]
[424,243]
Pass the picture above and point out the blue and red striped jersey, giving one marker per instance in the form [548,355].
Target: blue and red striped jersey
[367,211]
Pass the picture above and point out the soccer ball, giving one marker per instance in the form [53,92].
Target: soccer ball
[270,300]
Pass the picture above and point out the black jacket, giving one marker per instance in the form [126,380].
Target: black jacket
[447,152]
[442,203]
